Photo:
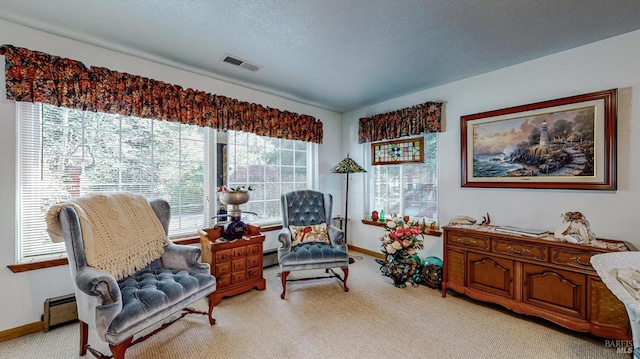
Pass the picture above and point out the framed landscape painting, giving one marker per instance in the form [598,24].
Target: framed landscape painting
[568,143]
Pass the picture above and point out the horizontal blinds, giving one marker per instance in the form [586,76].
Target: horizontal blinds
[67,153]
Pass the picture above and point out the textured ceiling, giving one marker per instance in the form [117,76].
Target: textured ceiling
[335,54]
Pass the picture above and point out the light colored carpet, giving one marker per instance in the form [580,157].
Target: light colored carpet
[319,320]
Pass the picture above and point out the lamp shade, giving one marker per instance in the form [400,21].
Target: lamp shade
[347,165]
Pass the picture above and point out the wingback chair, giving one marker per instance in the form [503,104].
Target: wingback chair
[119,309]
[309,241]
[607,266]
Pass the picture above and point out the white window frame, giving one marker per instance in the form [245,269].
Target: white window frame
[266,202]
[371,200]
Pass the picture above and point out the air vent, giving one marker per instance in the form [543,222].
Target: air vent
[236,61]
[250,67]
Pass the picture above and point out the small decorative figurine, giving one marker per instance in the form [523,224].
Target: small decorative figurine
[486,220]
[374,216]
[575,229]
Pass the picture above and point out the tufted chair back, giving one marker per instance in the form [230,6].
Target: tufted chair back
[305,208]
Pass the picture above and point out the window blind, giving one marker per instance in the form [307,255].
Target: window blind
[65,153]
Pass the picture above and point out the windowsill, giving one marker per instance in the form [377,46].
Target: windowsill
[25,267]
[430,232]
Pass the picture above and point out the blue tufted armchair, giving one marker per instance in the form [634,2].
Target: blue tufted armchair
[302,211]
[118,310]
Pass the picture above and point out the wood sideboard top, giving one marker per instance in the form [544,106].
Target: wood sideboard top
[611,244]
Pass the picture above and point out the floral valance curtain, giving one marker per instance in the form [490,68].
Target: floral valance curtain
[33,76]
[414,120]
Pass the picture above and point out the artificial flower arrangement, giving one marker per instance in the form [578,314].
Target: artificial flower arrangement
[399,246]
[402,239]
[234,189]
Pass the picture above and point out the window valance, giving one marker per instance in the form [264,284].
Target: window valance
[414,120]
[33,76]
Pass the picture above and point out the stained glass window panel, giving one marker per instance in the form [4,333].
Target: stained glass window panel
[409,150]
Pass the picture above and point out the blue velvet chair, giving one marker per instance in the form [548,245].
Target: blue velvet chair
[310,208]
[118,310]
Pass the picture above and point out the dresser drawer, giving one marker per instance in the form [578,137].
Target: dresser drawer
[223,281]
[224,255]
[254,249]
[254,273]
[521,250]
[222,268]
[240,252]
[475,243]
[238,264]
[238,277]
[253,261]
[571,258]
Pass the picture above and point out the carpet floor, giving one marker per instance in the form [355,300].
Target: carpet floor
[319,320]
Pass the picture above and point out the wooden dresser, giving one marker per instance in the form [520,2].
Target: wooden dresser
[237,265]
[539,277]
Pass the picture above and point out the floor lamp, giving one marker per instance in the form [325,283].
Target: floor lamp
[347,166]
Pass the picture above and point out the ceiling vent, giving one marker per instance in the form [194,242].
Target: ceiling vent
[236,61]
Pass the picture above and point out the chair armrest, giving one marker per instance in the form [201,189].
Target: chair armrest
[336,235]
[92,284]
[183,257]
[98,283]
[285,238]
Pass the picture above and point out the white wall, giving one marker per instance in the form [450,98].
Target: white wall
[23,294]
[612,63]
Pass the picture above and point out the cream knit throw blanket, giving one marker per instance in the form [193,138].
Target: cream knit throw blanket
[120,231]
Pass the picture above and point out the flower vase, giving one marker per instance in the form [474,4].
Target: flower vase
[400,269]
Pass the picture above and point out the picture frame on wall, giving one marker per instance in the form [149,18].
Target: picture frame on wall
[567,143]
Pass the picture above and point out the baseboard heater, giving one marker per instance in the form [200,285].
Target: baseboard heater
[270,258]
[59,311]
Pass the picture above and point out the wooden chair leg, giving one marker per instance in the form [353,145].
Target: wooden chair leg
[283,277]
[345,270]
[211,305]
[119,349]
[84,337]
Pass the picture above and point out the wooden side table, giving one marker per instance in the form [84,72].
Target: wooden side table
[237,265]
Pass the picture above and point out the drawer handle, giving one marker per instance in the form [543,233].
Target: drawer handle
[472,241]
[522,251]
[579,261]
[224,256]
[240,253]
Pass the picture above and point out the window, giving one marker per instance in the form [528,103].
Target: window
[270,166]
[408,189]
[65,153]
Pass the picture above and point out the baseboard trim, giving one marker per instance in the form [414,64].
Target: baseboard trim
[21,330]
[366,251]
